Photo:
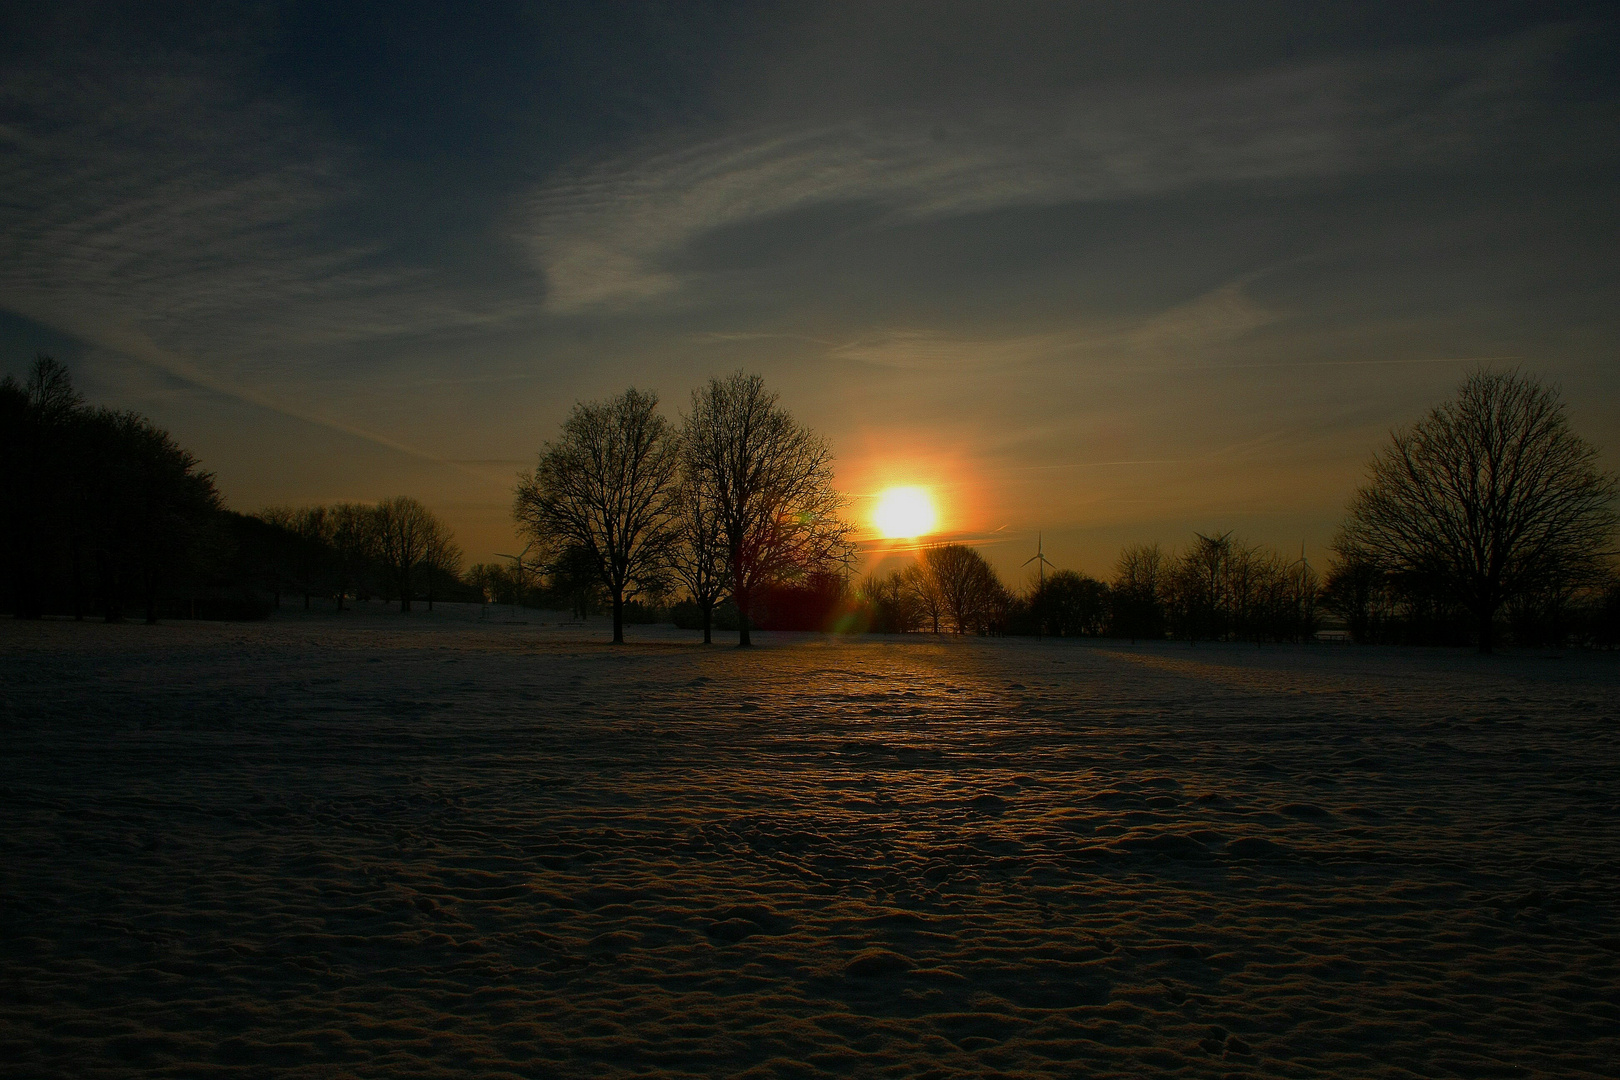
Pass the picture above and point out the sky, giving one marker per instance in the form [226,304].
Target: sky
[1098,273]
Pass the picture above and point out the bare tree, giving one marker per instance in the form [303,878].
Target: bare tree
[283,558]
[699,558]
[441,558]
[1491,495]
[895,601]
[1200,588]
[302,555]
[354,537]
[967,588]
[923,587]
[607,485]
[1138,591]
[403,528]
[1069,604]
[772,485]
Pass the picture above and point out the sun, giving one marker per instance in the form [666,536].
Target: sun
[904,513]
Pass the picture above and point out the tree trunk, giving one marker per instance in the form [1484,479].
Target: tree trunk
[1486,630]
[744,638]
[404,590]
[618,616]
[708,622]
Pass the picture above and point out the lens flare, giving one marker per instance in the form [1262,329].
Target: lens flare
[904,513]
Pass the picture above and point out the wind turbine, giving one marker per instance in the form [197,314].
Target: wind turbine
[1041,563]
[518,558]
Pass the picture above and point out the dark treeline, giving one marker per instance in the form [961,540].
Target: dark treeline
[1379,606]
[1217,589]
[396,550]
[565,580]
[1488,521]
[103,515]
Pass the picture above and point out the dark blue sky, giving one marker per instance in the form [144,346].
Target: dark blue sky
[1113,271]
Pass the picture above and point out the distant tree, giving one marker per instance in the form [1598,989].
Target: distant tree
[1070,604]
[1222,589]
[607,486]
[1355,591]
[575,580]
[355,532]
[305,559]
[895,603]
[699,557]
[500,584]
[772,484]
[1138,592]
[404,528]
[1301,601]
[924,588]
[1200,588]
[282,546]
[1490,495]
[315,550]
[969,591]
[441,560]
[487,578]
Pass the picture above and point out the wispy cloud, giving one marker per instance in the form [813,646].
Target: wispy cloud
[165,201]
[1180,332]
[609,233]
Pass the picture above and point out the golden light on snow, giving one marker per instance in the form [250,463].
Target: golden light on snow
[905,513]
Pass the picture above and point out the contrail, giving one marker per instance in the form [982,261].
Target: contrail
[1356,363]
[1099,464]
[137,345]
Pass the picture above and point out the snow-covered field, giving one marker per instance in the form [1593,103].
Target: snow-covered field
[377,845]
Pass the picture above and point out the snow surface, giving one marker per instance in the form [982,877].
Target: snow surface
[369,845]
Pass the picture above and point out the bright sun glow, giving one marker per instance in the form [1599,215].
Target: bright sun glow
[904,513]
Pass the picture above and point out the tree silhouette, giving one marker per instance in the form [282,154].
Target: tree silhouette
[354,538]
[607,486]
[168,505]
[306,557]
[40,429]
[895,601]
[967,588]
[404,527]
[441,559]
[1138,592]
[699,558]
[771,481]
[576,579]
[1491,496]
[1070,604]
[91,489]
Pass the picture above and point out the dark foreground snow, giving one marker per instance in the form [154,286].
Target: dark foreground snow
[432,846]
